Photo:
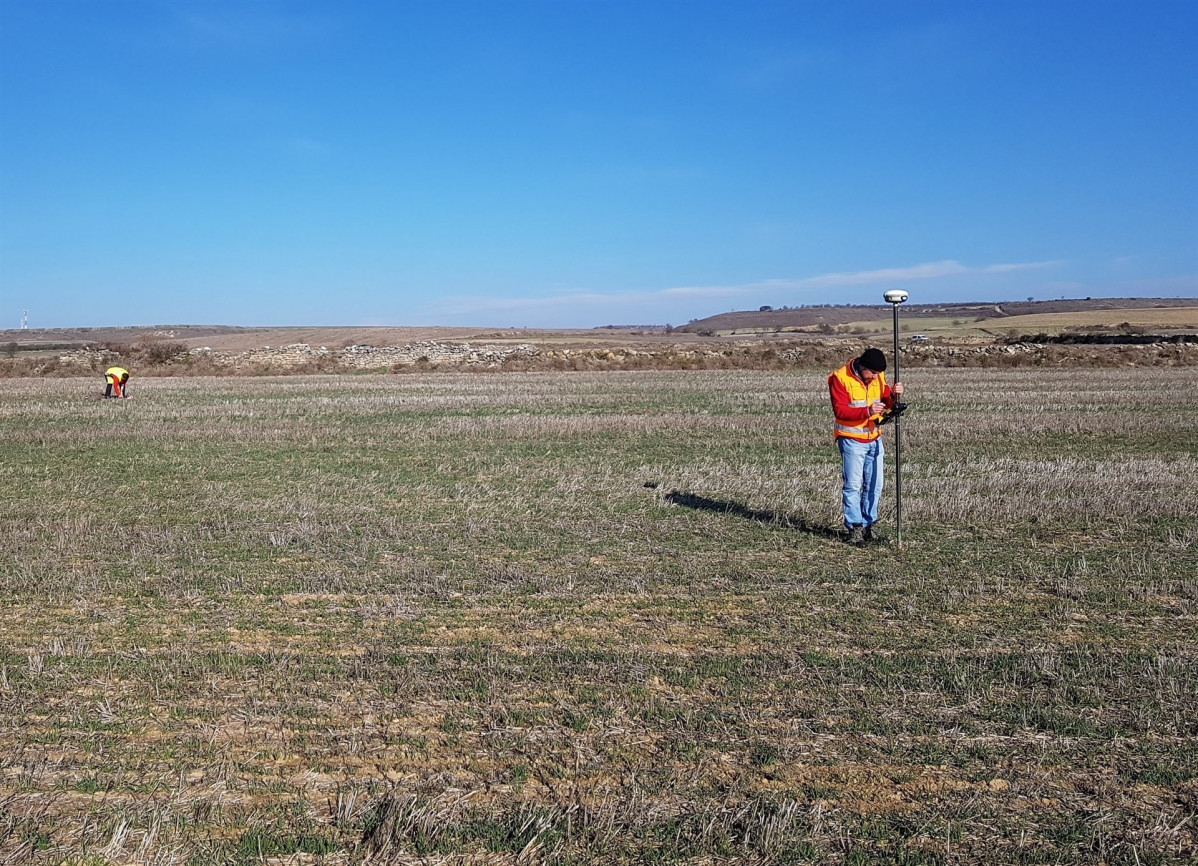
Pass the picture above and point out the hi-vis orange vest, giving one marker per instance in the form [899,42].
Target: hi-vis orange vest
[116,378]
[860,395]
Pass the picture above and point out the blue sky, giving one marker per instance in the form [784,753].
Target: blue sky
[576,163]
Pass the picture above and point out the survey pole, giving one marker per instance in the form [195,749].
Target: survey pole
[895,297]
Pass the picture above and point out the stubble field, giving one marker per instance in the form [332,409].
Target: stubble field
[596,618]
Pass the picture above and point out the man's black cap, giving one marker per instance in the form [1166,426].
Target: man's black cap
[873,359]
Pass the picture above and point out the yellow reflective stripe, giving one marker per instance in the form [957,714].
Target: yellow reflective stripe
[866,436]
[858,404]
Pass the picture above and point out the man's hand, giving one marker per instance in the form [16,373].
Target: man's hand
[897,389]
[877,407]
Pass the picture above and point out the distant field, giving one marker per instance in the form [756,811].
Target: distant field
[241,339]
[1153,320]
[941,326]
[820,318]
[1175,318]
[595,618]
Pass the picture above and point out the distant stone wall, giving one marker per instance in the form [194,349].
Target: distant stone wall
[302,357]
[371,357]
[350,357]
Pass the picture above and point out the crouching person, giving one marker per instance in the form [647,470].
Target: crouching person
[116,380]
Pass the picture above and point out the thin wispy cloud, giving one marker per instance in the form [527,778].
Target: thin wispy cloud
[1030,266]
[250,27]
[466,305]
[849,279]
[305,146]
[782,68]
[927,271]
[1179,285]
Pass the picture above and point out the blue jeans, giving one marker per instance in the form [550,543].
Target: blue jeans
[861,466]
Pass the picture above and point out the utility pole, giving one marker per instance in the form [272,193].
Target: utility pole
[895,297]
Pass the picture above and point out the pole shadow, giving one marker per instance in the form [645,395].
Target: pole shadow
[737,509]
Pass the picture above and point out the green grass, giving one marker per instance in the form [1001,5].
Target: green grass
[596,618]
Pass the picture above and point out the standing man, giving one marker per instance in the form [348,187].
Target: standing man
[115,379]
[859,397]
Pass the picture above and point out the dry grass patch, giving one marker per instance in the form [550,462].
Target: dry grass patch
[580,618]
[1151,319]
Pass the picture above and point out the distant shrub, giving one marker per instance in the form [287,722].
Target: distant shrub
[160,353]
[116,350]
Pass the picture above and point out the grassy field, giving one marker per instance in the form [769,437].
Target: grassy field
[596,618]
[1148,319]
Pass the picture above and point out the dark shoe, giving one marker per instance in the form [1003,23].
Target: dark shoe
[872,536]
[856,535]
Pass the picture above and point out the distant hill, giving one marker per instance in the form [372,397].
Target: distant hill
[971,321]
[827,317]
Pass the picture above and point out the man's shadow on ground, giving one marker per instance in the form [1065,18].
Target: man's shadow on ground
[737,509]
